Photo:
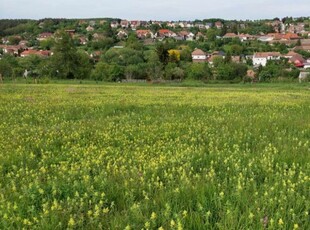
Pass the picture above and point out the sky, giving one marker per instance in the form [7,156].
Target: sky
[154,9]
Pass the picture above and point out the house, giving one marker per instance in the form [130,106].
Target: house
[200,26]
[13,50]
[124,24]
[41,53]
[171,24]
[245,37]
[166,33]
[190,37]
[261,58]
[199,56]
[208,25]
[143,34]
[44,36]
[230,35]
[71,32]
[299,28]
[215,55]
[90,28]
[83,40]
[122,34]
[218,25]
[183,24]
[114,24]
[296,59]
[134,24]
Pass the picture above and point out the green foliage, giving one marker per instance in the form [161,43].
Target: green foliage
[123,56]
[14,40]
[199,71]
[173,72]
[277,69]
[186,54]
[133,42]
[47,44]
[7,65]
[138,71]
[67,62]
[102,44]
[230,71]
[107,72]
[138,157]
[162,52]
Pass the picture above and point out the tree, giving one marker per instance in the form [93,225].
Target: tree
[101,72]
[199,71]
[108,32]
[186,54]
[8,66]
[174,55]
[14,40]
[172,72]
[133,42]
[138,71]
[68,62]
[46,44]
[162,52]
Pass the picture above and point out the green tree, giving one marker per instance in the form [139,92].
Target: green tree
[133,42]
[162,52]
[46,44]
[68,62]
[199,71]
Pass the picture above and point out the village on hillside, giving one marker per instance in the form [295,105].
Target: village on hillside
[253,44]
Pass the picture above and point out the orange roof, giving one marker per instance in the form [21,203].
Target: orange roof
[35,52]
[164,31]
[230,35]
[198,52]
[143,31]
[287,36]
[267,54]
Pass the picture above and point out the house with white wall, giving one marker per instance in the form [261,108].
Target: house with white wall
[261,58]
[199,56]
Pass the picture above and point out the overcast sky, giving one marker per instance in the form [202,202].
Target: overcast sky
[154,9]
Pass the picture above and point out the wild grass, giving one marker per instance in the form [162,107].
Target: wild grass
[141,157]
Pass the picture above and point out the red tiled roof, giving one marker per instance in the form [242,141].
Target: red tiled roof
[35,52]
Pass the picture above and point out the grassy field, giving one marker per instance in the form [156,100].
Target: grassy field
[140,157]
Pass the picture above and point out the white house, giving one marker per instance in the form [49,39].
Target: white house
[199,56]
[261,58]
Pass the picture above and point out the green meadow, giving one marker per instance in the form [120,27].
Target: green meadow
[115,156]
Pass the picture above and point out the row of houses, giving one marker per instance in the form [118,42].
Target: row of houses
[259,58]
[23,51]
[182,24]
